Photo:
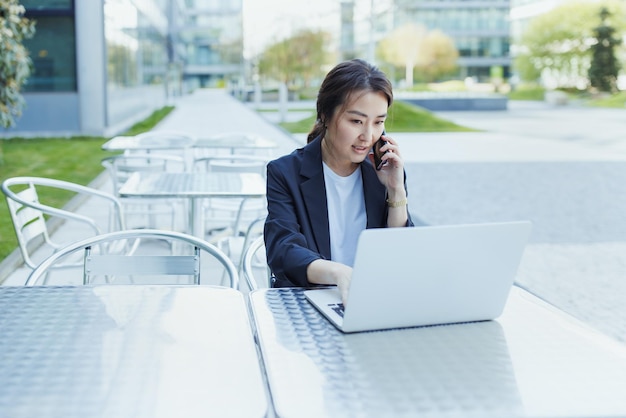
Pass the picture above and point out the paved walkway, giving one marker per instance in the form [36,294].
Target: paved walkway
[561,167]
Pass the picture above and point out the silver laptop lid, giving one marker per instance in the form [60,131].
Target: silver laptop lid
[433,275]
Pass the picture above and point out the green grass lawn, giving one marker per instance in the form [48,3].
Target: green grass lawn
[536,92]
[617,101]
[527,92]
[403,117]
[75,159]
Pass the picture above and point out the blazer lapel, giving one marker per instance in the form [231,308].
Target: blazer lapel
[316,204]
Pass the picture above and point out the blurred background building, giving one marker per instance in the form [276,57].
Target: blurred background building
[480,30]
[101,65]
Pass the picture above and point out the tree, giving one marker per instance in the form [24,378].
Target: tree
[15,63]
[556,45]
[442,55]
[300,58]
[604,65]
[413,47]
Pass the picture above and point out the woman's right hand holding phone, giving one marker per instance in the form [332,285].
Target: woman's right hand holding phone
[391,171]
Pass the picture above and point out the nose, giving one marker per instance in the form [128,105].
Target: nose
[368,133]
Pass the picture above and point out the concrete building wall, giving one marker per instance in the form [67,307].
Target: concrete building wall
[91,67]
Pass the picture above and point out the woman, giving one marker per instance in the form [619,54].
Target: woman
[321,196]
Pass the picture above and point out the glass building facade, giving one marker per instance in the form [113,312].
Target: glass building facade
[101,65]
[136,57]
[480,30]
[213,38]
[54,64]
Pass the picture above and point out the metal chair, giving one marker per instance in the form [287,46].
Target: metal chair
[241,143]
[121,167]
[173,142]
[167,134]
[232,216]
[170,140]
[146,262]
[254,258]
[34,221]
[255,228]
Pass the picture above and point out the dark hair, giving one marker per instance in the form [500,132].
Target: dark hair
[343,80]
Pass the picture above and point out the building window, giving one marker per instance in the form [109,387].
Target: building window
[33,5]
[53,53]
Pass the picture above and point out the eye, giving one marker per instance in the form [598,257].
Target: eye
[357,121]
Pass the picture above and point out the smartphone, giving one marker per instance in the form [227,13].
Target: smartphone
[378,154]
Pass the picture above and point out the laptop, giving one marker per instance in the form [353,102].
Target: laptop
[427,275]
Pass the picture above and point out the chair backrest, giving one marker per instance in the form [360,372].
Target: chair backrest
[135,262]
[236,163]
[236,213]
[156,135]
[29,214]
[254,258]
[120,167]
[254,229]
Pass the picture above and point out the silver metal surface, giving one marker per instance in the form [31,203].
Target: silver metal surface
[195,186]
[235,141]
[234,185]
[122,143]
[532,362]
[127,351]
[232,141]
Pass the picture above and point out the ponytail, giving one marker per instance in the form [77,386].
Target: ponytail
[319,129]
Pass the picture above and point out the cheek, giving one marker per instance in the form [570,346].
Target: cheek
[346,132]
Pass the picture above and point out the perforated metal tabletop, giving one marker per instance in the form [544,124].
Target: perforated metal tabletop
[127,351]
[531,362]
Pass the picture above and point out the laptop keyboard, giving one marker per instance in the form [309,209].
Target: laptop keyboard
[337,307]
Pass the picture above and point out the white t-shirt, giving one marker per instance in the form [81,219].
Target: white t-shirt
[346,213]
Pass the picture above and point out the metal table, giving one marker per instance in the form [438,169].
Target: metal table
[194,186]
[235,141]
[146,143]
[532,362]
[127,351]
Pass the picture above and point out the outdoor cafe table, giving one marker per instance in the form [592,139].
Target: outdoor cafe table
[235,142]
[127,351]
[196,187]
[534,361]
[143,143]
[232,141]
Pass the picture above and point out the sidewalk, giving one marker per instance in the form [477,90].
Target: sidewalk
[562,168]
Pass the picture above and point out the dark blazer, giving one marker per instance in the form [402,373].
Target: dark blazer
[296,230]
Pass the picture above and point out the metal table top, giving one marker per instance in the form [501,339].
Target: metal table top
[232,141]
[532,362]
[195,186]
[235,141]
[127,351]
[236,185]
[122,143]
